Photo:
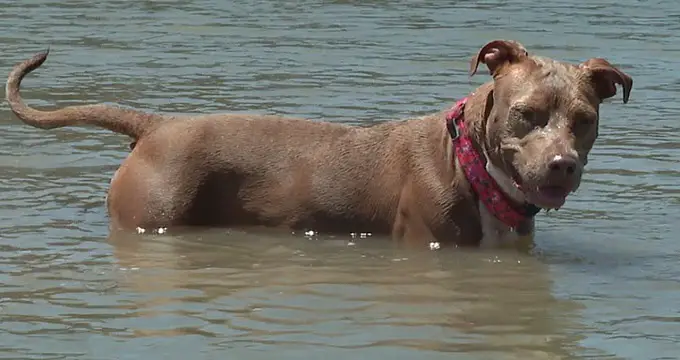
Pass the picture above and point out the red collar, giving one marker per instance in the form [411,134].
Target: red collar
[487,189]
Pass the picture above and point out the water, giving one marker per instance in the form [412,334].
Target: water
[603,282]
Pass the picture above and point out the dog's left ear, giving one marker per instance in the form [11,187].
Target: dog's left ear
[604,77]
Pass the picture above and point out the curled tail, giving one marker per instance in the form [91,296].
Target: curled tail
[130,122]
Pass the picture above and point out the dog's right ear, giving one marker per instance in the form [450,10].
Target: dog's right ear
[604,77]
[498,53]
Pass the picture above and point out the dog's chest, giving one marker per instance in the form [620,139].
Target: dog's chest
[497,234]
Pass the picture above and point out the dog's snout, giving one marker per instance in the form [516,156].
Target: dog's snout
[563,165]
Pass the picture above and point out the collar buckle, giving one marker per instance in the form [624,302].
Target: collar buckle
[454,129]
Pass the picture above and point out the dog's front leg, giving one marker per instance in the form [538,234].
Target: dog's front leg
[409,225]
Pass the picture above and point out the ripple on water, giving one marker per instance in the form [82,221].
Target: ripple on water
[600,284]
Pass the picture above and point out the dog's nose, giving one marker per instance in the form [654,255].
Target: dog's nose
[563,165]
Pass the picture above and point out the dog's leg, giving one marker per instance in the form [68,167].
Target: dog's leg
[141,196]
[409,225]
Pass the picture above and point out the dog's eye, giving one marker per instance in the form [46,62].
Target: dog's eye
[584,119]
[583,122]
[524,112]
[533,116]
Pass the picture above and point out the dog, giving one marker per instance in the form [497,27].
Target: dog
[474,174]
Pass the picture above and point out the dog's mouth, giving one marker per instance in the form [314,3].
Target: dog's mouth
[540,189]
[546,196]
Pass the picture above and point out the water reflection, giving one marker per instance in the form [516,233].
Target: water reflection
[289,291]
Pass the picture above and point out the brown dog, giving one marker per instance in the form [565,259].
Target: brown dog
[479,172]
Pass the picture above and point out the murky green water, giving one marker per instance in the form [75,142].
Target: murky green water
[604,280]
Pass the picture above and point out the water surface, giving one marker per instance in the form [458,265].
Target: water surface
[602,283]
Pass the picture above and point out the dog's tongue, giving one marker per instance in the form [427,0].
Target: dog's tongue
[553,196]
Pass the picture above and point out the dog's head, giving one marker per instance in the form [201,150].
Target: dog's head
[542,118]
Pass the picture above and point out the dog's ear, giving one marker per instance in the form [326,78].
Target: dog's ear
[604,78]
[496,54]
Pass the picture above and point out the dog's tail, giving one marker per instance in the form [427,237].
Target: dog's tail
[124,121]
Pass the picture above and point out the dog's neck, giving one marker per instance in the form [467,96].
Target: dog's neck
[476,116]
[506,183]
[496,191]
[495,232]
